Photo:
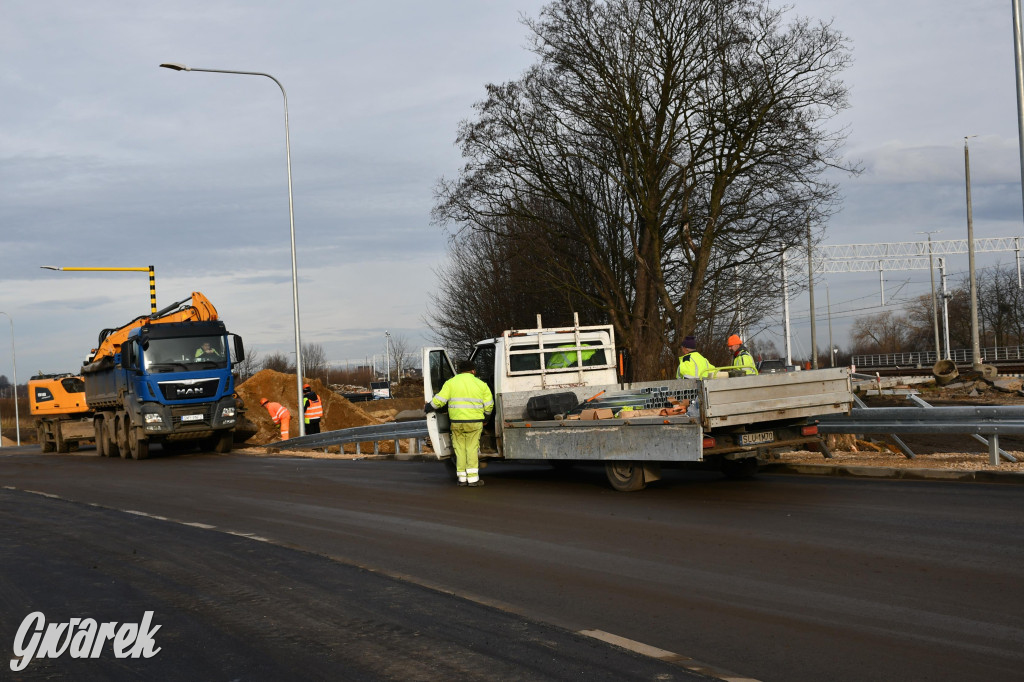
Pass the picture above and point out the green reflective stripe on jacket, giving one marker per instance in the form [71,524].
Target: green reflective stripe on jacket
[468,398]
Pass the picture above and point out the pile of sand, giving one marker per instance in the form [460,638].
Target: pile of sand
[339,413]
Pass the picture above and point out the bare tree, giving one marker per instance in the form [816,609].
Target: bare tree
[314,361]
[885,332]
[401,354]
[666,142]
[250,365]
[278,362]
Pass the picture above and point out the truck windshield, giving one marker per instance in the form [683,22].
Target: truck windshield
[185,354]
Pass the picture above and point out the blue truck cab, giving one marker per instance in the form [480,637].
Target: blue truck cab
[171,382]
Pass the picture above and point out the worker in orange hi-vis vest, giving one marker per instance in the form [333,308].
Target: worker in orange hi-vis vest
[280,414]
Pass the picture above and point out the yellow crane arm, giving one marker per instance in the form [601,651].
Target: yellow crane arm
[198,309]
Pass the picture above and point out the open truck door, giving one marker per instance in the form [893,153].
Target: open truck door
[437,369]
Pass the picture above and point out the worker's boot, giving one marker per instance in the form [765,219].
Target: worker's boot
[475,484]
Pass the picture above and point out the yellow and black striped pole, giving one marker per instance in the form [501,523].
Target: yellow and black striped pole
[149,269]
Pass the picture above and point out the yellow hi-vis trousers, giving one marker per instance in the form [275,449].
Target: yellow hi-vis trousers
[466,441]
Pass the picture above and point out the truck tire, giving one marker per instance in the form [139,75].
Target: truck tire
[60,444]
[43,435]
[625,477]
[101,441]
[138,442]
[121,436]
[110,437]
[223,443]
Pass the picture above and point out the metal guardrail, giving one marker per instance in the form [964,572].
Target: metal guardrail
[977,421]
[377,433]
[929,358]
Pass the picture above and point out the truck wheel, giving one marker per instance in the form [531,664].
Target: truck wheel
[61,444]
[138,446]
[44,439]
[224,442]
[101,442]
[739,469]
[625,477]
[121,436]
[110,435]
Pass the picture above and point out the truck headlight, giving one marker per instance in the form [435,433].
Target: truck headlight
[227,412]
[153,418]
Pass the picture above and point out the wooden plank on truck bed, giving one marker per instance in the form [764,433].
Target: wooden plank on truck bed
[769,397]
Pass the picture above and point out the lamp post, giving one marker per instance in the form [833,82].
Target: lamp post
[291,218]
[387,348]
[14,364]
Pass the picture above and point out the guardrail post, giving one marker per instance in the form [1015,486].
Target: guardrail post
[993,449]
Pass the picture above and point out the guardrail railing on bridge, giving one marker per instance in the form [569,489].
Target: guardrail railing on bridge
[928,358]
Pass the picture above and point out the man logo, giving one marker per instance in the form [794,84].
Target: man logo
[194,392]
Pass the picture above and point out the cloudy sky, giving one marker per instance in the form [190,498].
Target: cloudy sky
[107,160]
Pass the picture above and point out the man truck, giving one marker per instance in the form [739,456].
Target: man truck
[161,378]
[551,410]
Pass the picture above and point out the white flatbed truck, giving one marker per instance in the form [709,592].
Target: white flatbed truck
[733,421]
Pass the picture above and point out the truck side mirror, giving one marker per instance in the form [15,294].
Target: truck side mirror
[239,353]
[128,356]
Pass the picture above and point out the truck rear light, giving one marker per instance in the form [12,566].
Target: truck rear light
[809,430]
[709,442]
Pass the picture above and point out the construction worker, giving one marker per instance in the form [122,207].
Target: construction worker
[206,350]
[741,357]
[568,358]
[280,414]
[692,364]
[312,409]
[469,404]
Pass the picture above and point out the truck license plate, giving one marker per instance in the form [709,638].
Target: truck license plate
[191,417]
[757,438]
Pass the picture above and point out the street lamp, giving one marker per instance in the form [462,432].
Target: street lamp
[387,344]
[291,218]
[14,364]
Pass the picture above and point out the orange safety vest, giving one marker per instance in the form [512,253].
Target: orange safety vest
[314,409]
[277,411]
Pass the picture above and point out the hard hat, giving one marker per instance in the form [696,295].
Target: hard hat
[734,340]
[305,386]
[263,401]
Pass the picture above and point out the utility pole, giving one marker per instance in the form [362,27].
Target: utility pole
[945,304]
[975,338]
[935,308]
[810,290]
[828,306]
[785,311]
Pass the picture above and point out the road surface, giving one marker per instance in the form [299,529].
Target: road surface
[780,578]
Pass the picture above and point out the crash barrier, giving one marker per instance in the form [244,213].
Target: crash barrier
[983,423]
[376,434]
[960,356]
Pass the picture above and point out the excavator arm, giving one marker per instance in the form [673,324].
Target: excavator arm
[195,308]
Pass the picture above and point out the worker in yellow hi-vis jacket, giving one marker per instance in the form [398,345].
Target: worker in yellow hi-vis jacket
[469,404]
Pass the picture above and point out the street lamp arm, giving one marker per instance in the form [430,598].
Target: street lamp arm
[174,66]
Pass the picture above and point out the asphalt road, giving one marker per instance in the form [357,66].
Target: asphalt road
[781,578]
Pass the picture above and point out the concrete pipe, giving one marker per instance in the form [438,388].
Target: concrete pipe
[945,371]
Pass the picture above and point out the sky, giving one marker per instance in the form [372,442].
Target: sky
[107,160]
